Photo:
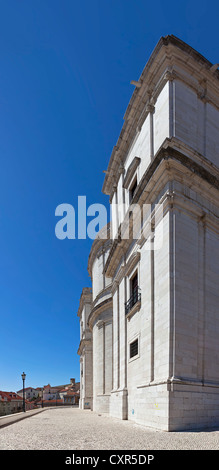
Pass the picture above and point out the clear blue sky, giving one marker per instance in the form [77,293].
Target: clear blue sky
[65,72]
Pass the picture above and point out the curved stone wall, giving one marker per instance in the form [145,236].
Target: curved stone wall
[100,323]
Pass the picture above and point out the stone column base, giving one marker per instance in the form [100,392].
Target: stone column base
[119,404]
[193,406]
[101,403]
[86,403]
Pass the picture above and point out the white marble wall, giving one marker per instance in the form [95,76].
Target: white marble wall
[196,122]
[178,112]
[99,280]
[86,353]
[173,382]
[102,361]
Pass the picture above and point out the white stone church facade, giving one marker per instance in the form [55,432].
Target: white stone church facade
[149,349]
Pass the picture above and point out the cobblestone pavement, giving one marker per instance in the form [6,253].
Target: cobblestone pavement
[74,429]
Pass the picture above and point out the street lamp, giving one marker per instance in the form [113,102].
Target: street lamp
[23,378]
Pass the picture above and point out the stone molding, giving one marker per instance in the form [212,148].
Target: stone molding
[98,309]
[84,343]
[170,382]
[99,244]
[168,62]
[126,268]
[86,297]
[168,164]
[133,310]
[131,171]
[106,291]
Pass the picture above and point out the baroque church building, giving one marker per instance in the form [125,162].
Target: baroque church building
[149,326]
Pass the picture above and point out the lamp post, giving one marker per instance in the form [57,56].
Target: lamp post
[23,378]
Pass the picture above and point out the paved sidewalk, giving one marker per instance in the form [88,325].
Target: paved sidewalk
[74,429]
[12,418]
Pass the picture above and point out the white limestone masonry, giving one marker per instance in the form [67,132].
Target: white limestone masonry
[153,322]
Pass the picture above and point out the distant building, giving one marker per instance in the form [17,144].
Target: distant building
[50,393]
[29,393]
[11,402]
[5,404]
[39,391]
[53,392]
[60,395]
[70,397]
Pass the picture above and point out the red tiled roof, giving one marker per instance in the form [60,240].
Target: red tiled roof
[28,388]
[69,389]
[10,396]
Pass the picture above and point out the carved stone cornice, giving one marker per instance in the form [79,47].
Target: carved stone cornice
[83,344]
[101,323]
[168,163]
[125,269]
[86,297]
[101,242]
[131,171]
[101,295]
[150,108]
[98,309]
[172,59]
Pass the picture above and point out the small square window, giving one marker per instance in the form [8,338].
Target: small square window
[134,348]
